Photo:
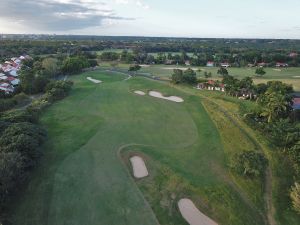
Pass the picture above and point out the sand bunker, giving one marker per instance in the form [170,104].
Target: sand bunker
[278,70]
[140,93]
[192,215]
[139,167]
[296,76]
[170,98]
[144,65]
[94,80]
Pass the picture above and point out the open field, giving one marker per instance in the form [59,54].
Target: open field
[287,75]
[83,180]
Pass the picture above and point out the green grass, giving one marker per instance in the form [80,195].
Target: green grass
[281,167]
[81,179]
[287,75]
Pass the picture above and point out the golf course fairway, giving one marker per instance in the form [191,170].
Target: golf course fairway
[84,178]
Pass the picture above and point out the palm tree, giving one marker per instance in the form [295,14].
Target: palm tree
[275,105]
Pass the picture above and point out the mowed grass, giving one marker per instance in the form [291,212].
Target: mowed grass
[287,75]
[82,180]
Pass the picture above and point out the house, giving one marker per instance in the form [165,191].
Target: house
[225,65]
[210,64]
[279,64]
[169,62]
[13,73]
[13,81]
[6,87]
[211,85]
[262,64]
[3,78]
[293,54]
[187,63]
[296,103]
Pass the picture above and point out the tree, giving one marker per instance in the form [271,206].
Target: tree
[93,63]
[189,76]
[73,65]
[249,163]
[207,75]
[11,172]
[295,196]
[276,102]
[232,86]
[223,71]
[260,71]
[134,68]
[27,77]
[50,66]
[177,76]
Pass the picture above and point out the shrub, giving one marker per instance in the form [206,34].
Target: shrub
[6,104]
[295,196]
[249,163]
[21,98]
[11,173]
[18,116]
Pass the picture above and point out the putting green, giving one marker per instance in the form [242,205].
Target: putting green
[82,180]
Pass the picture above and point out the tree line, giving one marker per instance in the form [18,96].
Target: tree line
[21,136]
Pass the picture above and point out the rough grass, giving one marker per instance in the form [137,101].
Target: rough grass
[81,179]
[281,168]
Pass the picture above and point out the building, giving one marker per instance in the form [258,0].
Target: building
[210,64]
[279,64]
[211,85]
[293,54]
[225,65]
[6,87]
[13,81]
[187,63]
[262,64]
[296,103]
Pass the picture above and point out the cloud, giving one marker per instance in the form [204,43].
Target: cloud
[139,3]
[57,15]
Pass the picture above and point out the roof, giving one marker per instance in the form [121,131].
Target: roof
[3,77]
[211,82]
[296,103]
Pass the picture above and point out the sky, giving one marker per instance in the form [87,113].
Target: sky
[163,18]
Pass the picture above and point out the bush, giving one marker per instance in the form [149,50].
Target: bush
[249,163]
[6,104]
[11,173]
[295,196]
[21,98]
[18,116]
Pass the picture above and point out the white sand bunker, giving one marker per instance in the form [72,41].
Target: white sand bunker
[170,98]
[140,93]
[296,76]
[144,65]
[139,167]
[192,215]
[94,80]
